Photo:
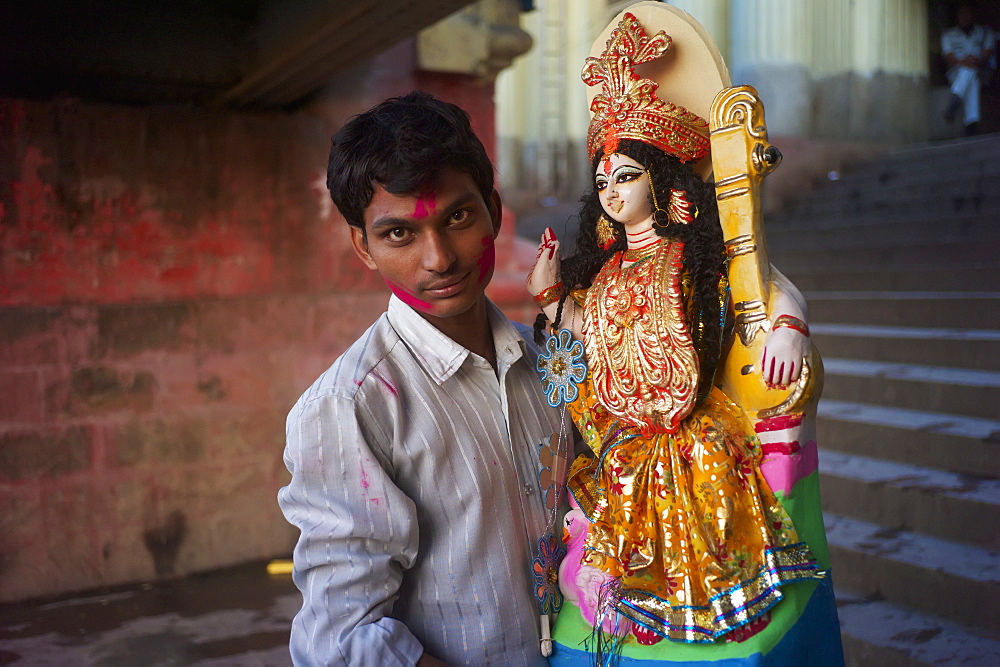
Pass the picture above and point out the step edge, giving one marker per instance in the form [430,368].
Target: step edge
[881,622]
[960,561]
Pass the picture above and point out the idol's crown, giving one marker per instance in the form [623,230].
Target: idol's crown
[628,108]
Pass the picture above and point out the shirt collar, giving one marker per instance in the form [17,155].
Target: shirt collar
[438,354]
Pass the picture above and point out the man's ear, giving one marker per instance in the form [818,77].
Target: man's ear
[360,243]
[496,212]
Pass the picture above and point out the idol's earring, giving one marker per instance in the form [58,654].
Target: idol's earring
[606,233]
[680,212]
[656,204]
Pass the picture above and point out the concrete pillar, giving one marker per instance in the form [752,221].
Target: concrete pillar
[837,70]
[770,48]
[542,112]
[713,15]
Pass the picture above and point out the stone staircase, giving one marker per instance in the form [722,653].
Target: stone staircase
[900,263]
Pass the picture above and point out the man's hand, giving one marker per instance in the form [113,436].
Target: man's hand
[429,661]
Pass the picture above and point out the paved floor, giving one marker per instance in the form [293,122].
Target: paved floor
[237,616]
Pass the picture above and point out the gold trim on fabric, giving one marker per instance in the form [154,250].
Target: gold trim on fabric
[727,610]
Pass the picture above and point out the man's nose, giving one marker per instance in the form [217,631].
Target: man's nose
[438,253]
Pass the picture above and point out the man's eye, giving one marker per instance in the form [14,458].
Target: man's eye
[461,215]
[397,234]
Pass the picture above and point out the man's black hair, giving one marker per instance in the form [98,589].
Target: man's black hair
[403,144]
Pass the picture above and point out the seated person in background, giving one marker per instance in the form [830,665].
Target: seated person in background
[967,49]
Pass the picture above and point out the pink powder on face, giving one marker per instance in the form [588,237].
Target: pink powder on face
[409,299]
[489,257]
[426,204]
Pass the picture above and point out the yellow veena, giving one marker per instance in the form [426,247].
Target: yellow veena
[741,157]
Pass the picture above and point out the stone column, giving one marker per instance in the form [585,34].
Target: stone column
[542,109]
[770,48]
[837,70]
[714,16]
[481,39]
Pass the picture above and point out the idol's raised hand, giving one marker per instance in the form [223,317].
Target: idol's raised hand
[545,272]
[545,285]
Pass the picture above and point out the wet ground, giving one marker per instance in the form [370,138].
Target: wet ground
[236,616]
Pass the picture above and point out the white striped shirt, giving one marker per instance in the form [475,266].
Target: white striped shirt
[415,487]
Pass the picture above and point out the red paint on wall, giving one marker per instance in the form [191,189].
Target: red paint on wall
[170,281]
[94,219]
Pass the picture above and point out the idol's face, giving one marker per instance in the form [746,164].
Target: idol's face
[434,249]
[623,187]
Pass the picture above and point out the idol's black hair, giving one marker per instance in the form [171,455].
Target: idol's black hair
[403,144]
[704,251]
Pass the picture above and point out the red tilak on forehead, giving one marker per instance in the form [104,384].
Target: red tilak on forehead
[607,166]
[425,206]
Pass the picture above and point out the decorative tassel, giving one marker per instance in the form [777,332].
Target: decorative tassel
[607,646]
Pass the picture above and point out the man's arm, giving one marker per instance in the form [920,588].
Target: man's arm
[358,536]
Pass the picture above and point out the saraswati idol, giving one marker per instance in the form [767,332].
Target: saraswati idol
[696,532]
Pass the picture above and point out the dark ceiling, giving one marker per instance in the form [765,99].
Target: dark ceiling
[230,53]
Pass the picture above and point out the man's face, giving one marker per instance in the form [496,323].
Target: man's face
[434,249]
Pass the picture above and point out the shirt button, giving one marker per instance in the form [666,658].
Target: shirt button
[527,489]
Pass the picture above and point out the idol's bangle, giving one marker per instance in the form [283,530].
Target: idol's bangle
[549,295]
[792,323]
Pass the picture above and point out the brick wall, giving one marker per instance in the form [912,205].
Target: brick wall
[170,281]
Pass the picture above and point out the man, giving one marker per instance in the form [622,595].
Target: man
[414,458]
[967,49]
